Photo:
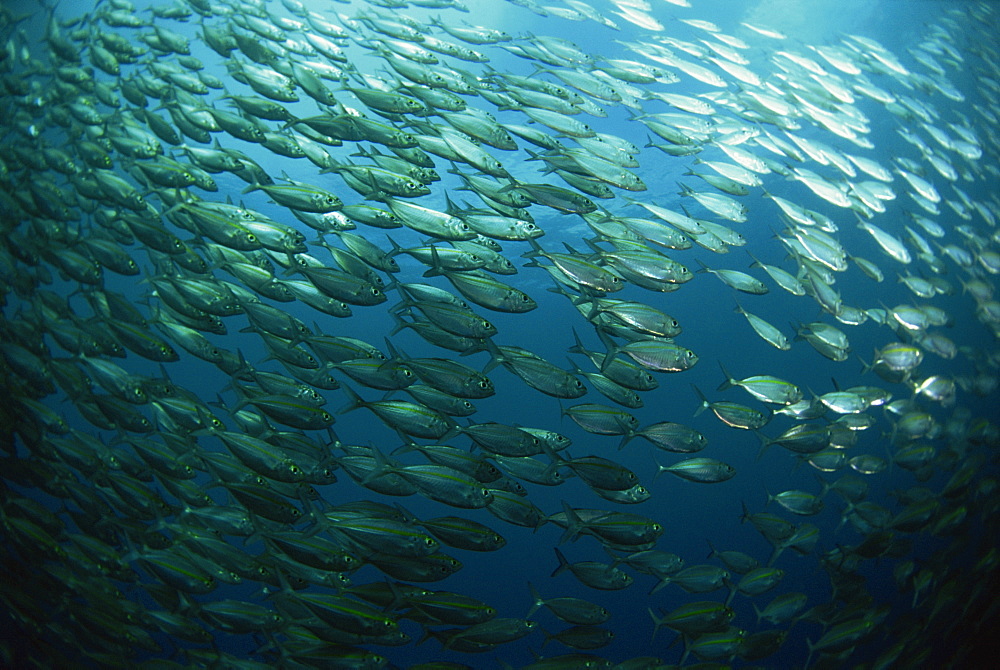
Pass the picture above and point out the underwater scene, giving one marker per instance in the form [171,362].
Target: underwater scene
[552,334]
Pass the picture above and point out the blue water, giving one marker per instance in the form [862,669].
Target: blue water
[693,515]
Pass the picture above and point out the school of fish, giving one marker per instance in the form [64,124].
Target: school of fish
[208,208]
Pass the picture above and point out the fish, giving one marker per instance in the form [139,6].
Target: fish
[594,574]
[764,387]
[171,357]
[765,330]
[738,280]
[702,470]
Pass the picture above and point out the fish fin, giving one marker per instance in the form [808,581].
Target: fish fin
[574,524]
[660,468]
[745,515]
[355,401]
[728,382]
[612,348]
[704,401]
[765,444]
[436,269]
[577,347]
[400,323]
[563,563]
[657,622]
[496,356]
[394,353]
[536,598]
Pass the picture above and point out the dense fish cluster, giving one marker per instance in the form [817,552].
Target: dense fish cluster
[312,310]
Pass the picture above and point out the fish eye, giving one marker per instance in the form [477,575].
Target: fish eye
[296,512]
[674,323]
[376,292]
[407,372]
[487,324]
[326,416]
[295,470]
[251,237]
[485,384]
[429,541]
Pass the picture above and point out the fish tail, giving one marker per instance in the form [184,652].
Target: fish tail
[382,466]
[865,366]
[536,600]
[354,400]
[728,381]
[765,444]
[612,348]
[704,401]
[574,524]
[660,469]
[400,323]
[563,563]
[657,622]
[663,582]
[535,251]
